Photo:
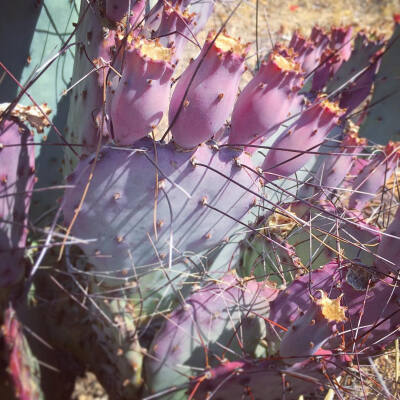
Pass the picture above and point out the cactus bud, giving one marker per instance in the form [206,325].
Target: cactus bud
[174,30]
[137,106]
[214,80]
[305,134]
[265,102]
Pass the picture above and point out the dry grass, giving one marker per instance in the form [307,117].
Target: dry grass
[285,16]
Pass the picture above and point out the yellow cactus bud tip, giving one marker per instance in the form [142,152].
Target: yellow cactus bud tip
[332,106]
[352,128]
[331,308]
[351,138]
[154,50]
[228,44]
[188,16]
[285,63]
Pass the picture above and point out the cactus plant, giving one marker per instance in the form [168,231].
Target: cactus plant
[186,190]
[374,176]
[366,304]
[147,266]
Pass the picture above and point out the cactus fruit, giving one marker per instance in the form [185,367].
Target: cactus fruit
[204,96]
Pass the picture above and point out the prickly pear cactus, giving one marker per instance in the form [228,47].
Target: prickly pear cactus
[216,238]
[276,83]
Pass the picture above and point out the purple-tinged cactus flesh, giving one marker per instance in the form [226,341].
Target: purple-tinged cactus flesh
[362,58]
[142,95]
[304,135]
[182,190]
[205,94]
[334,169]
[116,10]
[17,178]
[372,319]
[174,30]
[175,265]
[309,332]
[309,51]
[202,10]
[256,379]
[224,314]
[373,177]
[266,101]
